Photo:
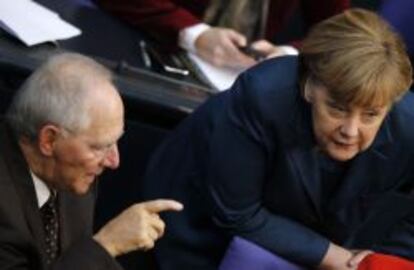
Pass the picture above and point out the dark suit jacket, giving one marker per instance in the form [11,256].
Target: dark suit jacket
[21,230]
[245,164]
[163,19]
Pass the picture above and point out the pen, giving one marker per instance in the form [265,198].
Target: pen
[253,53]
[144,54]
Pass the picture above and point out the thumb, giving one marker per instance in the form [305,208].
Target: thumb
[264,46]
[161,205]
[358,257]
[238,39]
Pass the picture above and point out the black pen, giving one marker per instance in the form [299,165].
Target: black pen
[253,53]
[144,54]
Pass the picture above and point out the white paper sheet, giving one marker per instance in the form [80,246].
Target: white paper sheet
[220,78]
[33,23]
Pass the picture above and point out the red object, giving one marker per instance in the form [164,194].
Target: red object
[378,261]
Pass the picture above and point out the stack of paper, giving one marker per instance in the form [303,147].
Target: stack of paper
[33,23]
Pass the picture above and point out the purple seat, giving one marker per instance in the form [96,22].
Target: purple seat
[245,255]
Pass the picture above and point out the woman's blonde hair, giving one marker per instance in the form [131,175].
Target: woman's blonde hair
[359,58]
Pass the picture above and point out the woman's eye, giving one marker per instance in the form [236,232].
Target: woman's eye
[337,107]
[371,114]
[341,109]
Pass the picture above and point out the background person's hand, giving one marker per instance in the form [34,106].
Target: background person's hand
[220,47]
[267,48]
[136,228]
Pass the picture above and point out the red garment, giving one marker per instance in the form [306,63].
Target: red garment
[163,19]
[378,261]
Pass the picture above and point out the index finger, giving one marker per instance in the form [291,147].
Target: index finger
[161,205]
[238,39]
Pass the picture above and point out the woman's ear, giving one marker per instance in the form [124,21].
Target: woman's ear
[48,135]
[308,91]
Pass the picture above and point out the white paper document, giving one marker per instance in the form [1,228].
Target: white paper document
[33,23]
[219,77]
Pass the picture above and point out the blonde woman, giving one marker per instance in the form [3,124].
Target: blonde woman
[310,158]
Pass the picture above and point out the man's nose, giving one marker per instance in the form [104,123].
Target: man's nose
[111,159]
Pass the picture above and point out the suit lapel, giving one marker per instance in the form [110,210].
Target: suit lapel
[25,188]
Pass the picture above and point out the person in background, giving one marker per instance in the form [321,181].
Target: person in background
[398,14]
[216,30]
[308,157]
[60,133]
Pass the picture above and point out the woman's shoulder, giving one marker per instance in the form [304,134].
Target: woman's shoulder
[272,87]
[401,119]
[404,108]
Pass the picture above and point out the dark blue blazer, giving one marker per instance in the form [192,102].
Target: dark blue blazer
[245,164]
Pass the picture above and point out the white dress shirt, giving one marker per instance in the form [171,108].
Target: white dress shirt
[42,191]
[188,36]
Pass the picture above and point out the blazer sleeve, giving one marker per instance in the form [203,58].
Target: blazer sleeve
[161,19]
[15,252]
[86,254]
[18,254]
[239,156]
[399,239]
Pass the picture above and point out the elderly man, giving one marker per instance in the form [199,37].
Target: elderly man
[59,134]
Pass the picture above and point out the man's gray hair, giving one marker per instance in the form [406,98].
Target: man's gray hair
[56,93]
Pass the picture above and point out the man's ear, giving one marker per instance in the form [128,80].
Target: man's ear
[47,137]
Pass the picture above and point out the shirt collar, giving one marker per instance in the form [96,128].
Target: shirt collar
[42,191]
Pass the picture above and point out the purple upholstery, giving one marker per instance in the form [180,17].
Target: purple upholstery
[245,255]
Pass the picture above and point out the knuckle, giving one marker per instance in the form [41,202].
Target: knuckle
[148,244]
[162,225]
[137,207]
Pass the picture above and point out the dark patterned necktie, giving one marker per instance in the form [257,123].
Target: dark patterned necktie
[50,218]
